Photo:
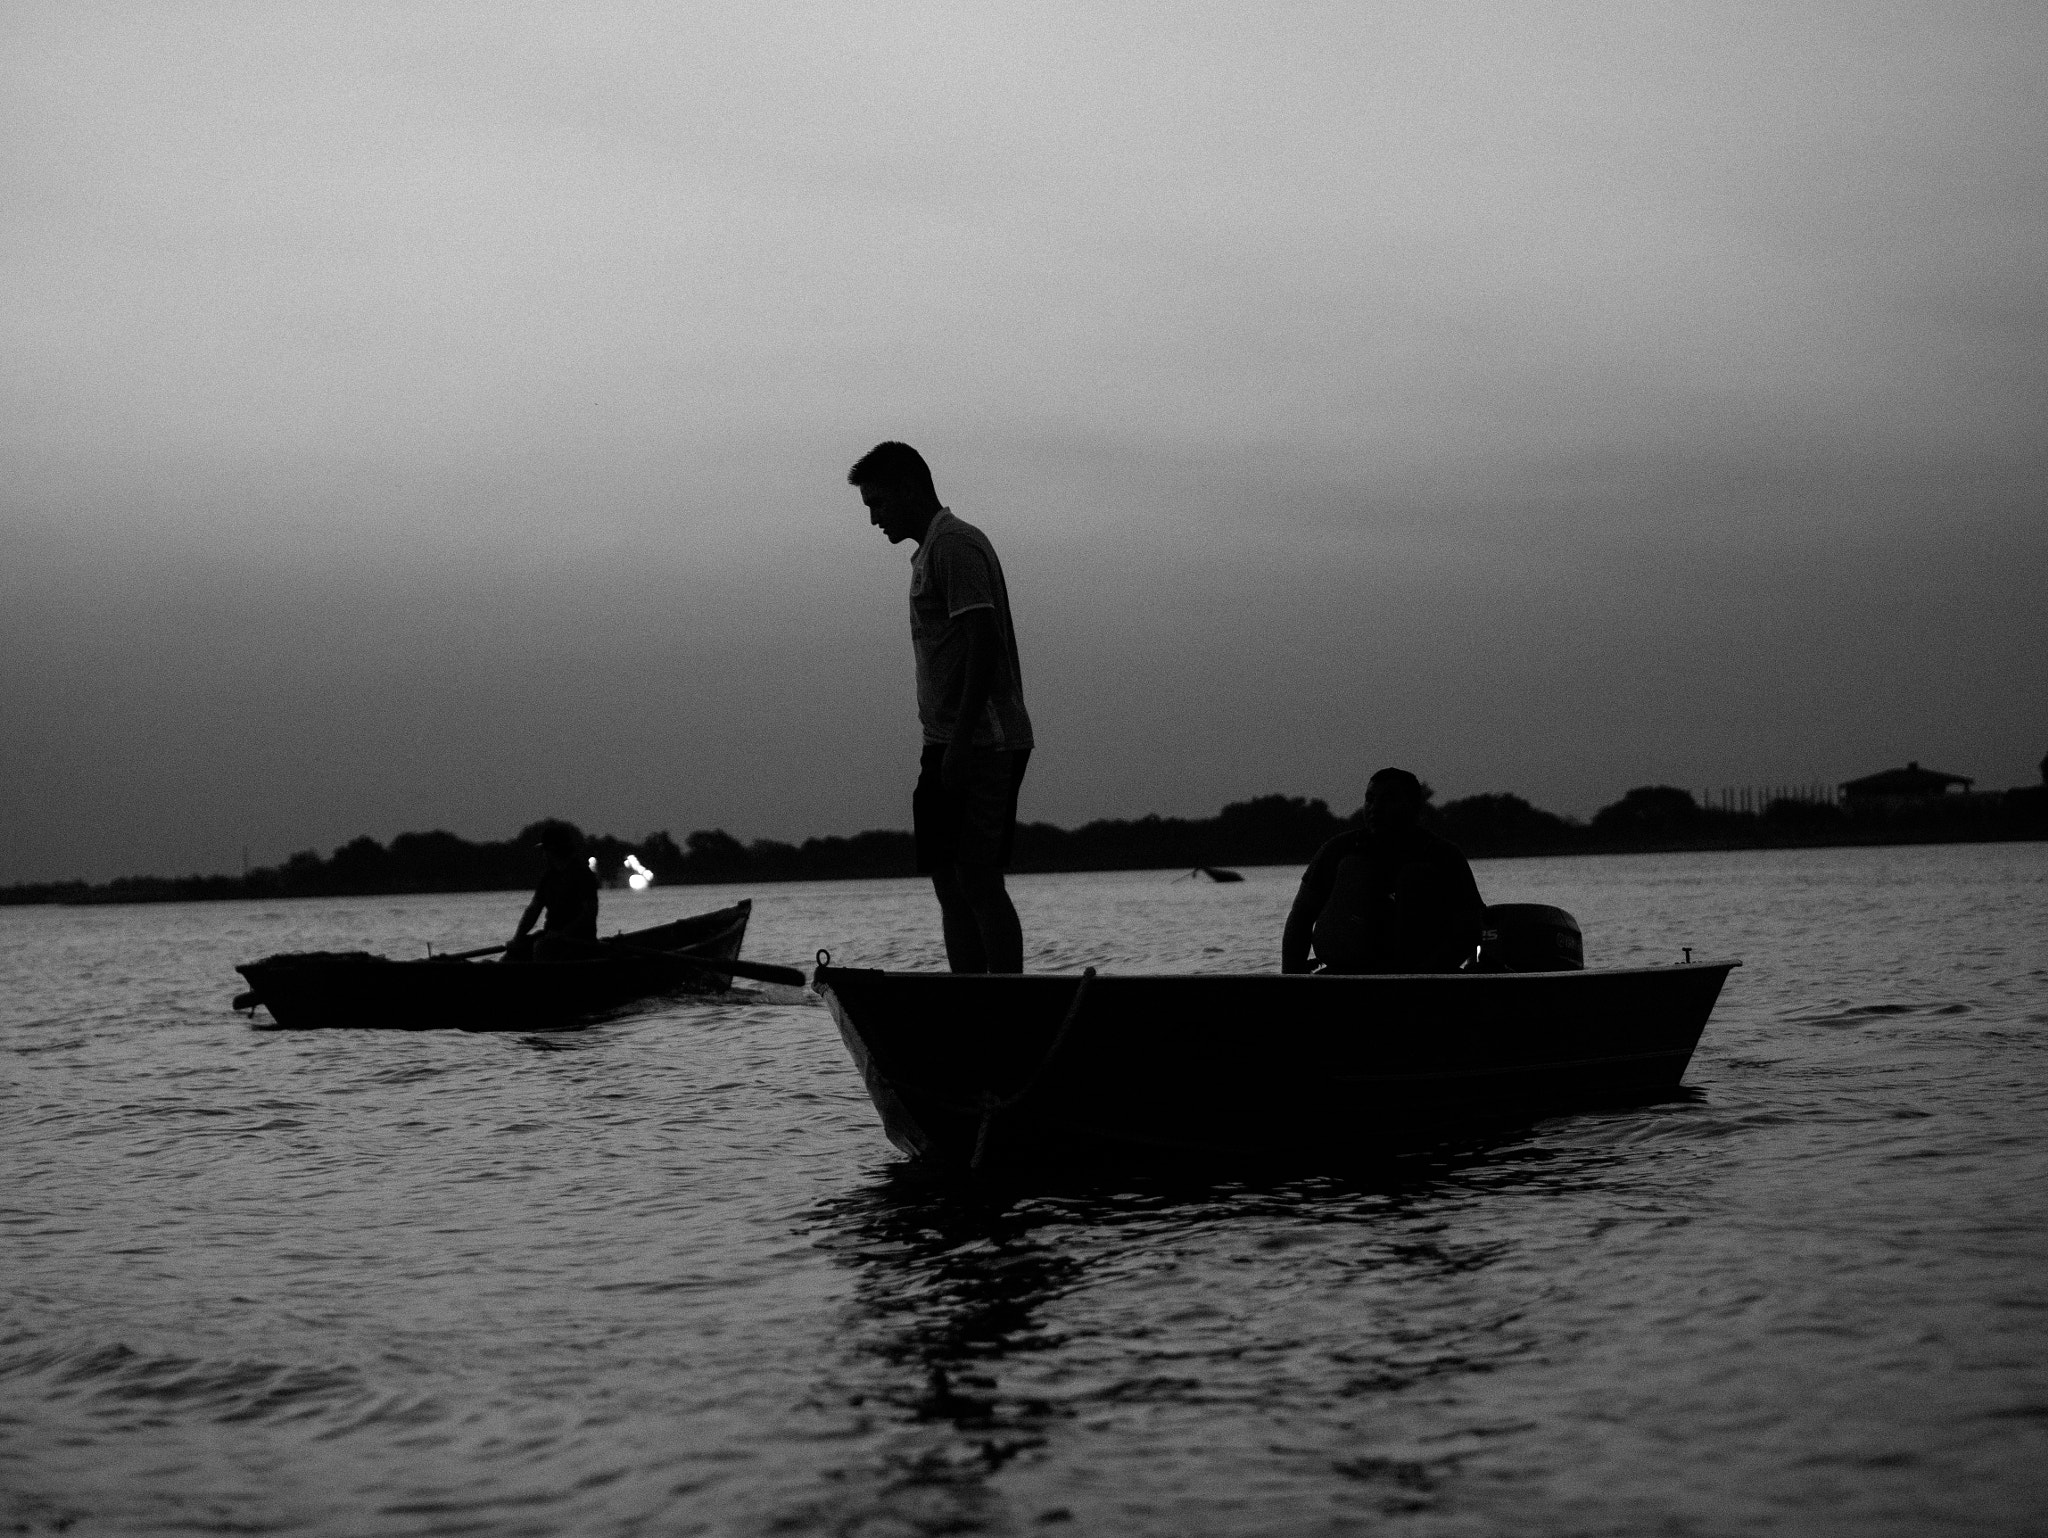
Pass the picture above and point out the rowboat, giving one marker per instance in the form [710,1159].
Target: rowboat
[355,988]
[967,1069]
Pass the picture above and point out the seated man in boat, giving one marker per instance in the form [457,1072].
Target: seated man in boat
[1386,897]
[567,894]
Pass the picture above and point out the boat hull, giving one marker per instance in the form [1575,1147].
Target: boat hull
[361,991]
[967,1069]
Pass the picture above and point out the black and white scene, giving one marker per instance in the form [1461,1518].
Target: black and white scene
[1131,769]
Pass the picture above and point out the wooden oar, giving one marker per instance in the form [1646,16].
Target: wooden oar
[759,971]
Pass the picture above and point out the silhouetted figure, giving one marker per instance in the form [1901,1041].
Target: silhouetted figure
[567,894]
[1387,897]
[970,699]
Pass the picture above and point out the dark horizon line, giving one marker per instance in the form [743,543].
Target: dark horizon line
[1268,830]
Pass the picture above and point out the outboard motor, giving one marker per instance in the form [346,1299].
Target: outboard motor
[1530,937]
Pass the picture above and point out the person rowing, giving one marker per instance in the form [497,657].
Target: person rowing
[567,894]
[1388,896]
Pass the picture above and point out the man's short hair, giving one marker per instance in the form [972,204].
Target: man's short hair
[558,837]
[893,464]
[1401,783]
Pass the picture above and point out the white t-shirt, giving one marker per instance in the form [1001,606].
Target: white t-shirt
[955,571]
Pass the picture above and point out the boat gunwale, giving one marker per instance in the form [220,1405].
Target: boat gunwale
[822,980]
[736,916]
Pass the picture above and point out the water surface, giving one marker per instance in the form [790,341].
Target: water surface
[665,1275]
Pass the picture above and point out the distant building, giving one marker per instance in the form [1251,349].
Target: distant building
[1909,786]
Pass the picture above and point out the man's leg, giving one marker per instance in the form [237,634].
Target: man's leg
[932,815]
[964,841]
[995,918]
[965,950]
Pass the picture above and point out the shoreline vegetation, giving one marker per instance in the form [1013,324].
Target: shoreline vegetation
[1269,830]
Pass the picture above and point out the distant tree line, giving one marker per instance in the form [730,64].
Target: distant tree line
[1269,830]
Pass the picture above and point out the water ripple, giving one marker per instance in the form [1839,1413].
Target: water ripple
[664,1275]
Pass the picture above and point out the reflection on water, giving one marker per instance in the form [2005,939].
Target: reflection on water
[968,1289]
[951,1283]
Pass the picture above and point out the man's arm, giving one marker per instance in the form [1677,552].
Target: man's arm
[1469,905]
[530,916]
[1309,900]
[984,655]
[527,920]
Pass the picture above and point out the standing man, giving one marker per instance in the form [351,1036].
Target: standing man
[970,699]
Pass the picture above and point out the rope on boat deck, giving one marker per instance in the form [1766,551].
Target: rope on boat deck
[993,1105]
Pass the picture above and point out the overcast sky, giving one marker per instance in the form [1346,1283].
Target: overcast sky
[437,415]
